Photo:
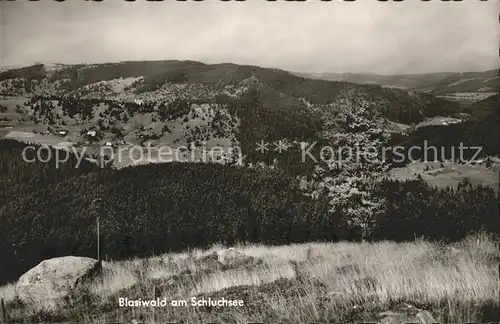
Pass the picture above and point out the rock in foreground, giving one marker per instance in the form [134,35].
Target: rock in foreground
[56,278]
[406,313]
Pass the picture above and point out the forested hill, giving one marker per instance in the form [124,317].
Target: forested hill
[480,129]
[160,207]
[183,102]
[155,80]
[47,211]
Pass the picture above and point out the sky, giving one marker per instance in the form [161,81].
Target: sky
[313,36]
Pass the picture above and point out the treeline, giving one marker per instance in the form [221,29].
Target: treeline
[414,209]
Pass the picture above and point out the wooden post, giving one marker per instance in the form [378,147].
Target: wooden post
[98,247]
[154,310]
[96,210]
[4,312]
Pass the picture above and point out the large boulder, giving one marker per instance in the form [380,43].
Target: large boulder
[406,313]
[227,259]
[56,278]
[230,258]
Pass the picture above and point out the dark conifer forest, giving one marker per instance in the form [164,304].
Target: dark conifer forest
[144,210]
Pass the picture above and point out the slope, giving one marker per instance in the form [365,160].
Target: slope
[156,100]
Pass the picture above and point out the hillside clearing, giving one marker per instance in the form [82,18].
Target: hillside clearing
[448,174]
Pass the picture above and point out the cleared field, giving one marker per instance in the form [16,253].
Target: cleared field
[341,282]
[467,96]
[32,137]
[446,174]
[438,121]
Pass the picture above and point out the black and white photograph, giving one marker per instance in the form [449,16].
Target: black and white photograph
[249,161]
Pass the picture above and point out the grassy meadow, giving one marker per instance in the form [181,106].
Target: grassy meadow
[316,282]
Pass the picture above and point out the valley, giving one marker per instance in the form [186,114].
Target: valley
[159,222]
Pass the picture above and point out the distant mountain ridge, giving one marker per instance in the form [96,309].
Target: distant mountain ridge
[438,83]
[403,81]
[434,83]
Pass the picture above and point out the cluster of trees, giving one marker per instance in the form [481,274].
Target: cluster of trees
[121,111]
[84,109]
[29,73]
[413,209]
[350,175]
[264,116]
[14,87]
[219,124]
[174,109]
[43,107]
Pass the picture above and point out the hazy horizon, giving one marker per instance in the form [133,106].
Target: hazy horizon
[268,67]
[311,37]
